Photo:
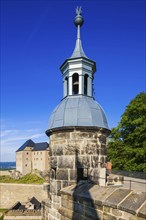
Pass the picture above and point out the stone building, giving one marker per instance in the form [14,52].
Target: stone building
[30,210]
[78,127]
[32,156]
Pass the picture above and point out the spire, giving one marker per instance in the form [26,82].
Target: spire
[78,51]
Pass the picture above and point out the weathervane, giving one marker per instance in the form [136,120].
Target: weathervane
[79,10]
[79,19]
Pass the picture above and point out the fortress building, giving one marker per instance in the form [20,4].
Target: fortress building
[32,156]
[78,126]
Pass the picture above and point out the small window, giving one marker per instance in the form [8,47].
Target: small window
[85,84]
[66,85]
[26,165]
[75,83]
[27,153]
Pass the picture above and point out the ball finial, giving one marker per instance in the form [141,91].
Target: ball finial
[79,19]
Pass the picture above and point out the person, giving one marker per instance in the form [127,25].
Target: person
[109,167]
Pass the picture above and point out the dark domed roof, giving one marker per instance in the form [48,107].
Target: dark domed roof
[78,110]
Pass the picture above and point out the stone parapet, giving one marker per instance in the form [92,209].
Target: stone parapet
[88,201]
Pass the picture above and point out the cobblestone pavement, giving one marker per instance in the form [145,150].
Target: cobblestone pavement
[135,184]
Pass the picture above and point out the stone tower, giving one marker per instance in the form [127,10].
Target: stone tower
[78,126]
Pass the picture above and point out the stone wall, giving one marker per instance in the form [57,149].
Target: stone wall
[76,154]
[11,193]
[88,201]
[23,215]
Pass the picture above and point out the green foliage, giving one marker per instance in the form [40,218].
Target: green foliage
[27,179]
[127,147]
[2,211]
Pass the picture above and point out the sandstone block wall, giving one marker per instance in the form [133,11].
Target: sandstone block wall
[89,201]
[74,154]
[11,193]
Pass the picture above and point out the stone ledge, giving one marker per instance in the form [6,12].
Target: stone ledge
[133,202]
[117,198]
[142,211]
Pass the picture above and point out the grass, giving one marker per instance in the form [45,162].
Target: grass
[2,211]
[27,179]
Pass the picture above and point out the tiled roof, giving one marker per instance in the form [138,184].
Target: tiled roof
[37,204]
[36,146]
[40,146]
[28,143]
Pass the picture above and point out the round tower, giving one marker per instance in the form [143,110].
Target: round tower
[78,126]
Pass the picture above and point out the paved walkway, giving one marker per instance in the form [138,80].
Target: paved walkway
[138,185]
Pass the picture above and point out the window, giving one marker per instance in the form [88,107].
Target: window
[82,174]
[85,84]
[75,83]
[27,153]
[66,85]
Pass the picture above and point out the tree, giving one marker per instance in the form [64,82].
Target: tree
[127,145]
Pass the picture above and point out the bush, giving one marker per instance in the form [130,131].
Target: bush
[27,179]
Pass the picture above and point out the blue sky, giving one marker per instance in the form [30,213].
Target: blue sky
[37,36]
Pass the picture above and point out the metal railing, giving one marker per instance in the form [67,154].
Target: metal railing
[133,174]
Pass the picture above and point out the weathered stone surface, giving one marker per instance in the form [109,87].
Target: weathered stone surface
[62,174]
[99,207]
[83,161]
[91,148]
[73,174]
[91,213]
[116,197]
[66,212]
[142,211]
[58,185]
[78,208]
[66,162]
[116,212]
[103,150]
[53,162]
[70,149]
[53,187]
[101,194]
[64,183]
[94,161]
[133,202]
[102,139]
[68,204]
[60,135]
[102,160]
[57,150]
[108,217]
[107,209]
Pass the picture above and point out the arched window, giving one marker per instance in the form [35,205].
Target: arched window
[66,86]
[85,84]
[75,83]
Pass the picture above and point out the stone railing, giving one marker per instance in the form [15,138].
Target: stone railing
[88,201]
